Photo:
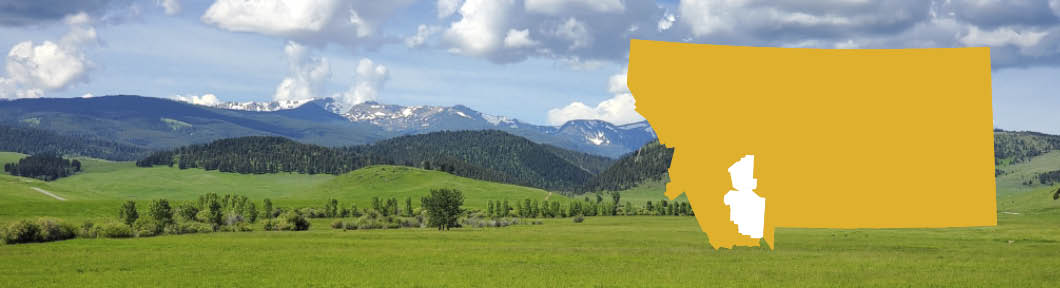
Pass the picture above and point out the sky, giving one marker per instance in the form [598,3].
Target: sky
[541,61]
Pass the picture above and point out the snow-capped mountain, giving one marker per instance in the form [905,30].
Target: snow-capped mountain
[328,104]
[414,119]
[590,136]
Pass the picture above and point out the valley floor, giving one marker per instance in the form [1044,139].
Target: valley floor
[603,251]
[633,251]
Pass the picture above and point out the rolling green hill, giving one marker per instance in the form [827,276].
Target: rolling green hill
[400,182]
[98,191]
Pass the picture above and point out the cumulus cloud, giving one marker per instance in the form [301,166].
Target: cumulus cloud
[1020,33]
[518,39]
[369,80]
[571,31]
[557,7]
[350,23]
[33,69]
[447,8]
[666,22]
[620,109]
[423,32]
[171,7]
[205,100]
[307,74]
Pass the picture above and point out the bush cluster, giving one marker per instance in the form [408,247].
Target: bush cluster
[289,221]
[373,219]
[481,220]
[42,230]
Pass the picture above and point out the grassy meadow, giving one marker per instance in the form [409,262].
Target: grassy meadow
[625,251]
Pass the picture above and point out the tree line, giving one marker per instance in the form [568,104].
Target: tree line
[45,167]
[487,155]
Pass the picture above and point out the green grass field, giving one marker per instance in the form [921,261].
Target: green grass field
[629,251]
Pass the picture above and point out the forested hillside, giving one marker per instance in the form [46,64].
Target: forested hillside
[36,141]
[1015,147]
[262,154]
[485,155]
[650,162]
[521,161]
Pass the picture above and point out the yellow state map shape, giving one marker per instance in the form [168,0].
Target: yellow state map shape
[882,138]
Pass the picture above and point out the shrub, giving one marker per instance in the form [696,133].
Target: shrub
[115,230]
[240,227]
[289,221]
[54,230]
[203,216]
[23,231]
[337,224]
[579,219]
[366,222]
[147,227]
[189,227]
[88,230]
[297,222]
[349,225]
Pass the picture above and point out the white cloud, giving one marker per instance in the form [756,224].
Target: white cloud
[556,29]
[556,7]
[617,84]
[423,32]
[576,32]
[447,8]
[271,17]
[620,109]
[171,7]
[479,28]
[666,22]
[307,76]
[33,69]
[205,100]
[349,23]
[369,81]
[1001,37]
[519,39]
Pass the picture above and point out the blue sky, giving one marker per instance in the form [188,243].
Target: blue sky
[542,61]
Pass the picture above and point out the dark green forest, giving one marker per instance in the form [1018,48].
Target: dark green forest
[485,155]
[488,155]
[262,154]
[516,159]
[1015,147]
[650,162]
[32,141]
[45,167]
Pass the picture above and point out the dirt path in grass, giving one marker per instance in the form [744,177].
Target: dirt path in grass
[45,192]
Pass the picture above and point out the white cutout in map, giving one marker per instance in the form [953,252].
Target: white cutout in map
[746,208]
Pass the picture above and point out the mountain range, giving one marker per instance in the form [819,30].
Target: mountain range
[156,123]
